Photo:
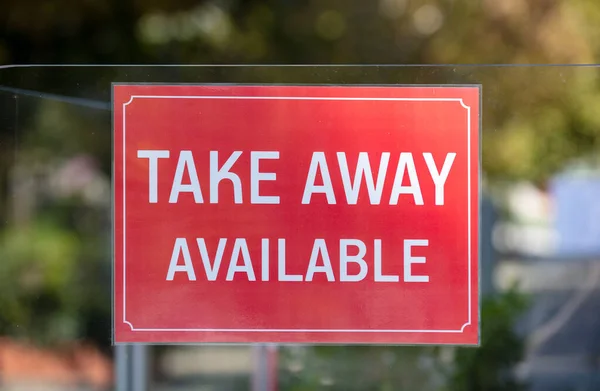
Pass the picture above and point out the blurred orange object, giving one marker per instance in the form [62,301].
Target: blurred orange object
[74,365]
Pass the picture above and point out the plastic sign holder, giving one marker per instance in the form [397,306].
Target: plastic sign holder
[296,214]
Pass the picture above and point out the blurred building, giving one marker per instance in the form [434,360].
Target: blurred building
[552,250]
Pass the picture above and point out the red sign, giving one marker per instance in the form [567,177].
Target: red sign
[308,214]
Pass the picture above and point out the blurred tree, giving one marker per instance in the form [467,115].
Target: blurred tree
[39,297]
[55,251]
[490,366]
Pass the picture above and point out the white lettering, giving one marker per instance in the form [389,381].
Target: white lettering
[211,271]
[439,179]
[345,259]
[265,259]
[186,160]
[152,156]
[218,174]
[281,273]
[363,167]
[405,163]
[318,162]
[379,277]
[256,176]
[409,260]
[181,247]
[240,246]
[319,247]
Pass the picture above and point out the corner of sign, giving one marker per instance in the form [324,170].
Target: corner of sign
[462,329]
[129,101]
[129,324]
[462,103]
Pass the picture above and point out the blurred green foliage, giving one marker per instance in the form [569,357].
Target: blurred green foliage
[37,291]
[54,284]
[488,367]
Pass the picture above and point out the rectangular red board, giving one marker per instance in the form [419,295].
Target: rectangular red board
[296,214]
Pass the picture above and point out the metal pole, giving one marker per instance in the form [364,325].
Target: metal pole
[260,371]
[273,366]
[264,374]
[122,371]
[140,368]
[132,370]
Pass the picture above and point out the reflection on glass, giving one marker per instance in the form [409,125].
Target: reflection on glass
[540,170]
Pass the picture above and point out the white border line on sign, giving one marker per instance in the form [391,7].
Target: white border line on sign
[459,100]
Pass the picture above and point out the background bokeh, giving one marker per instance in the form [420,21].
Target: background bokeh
[540,155]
